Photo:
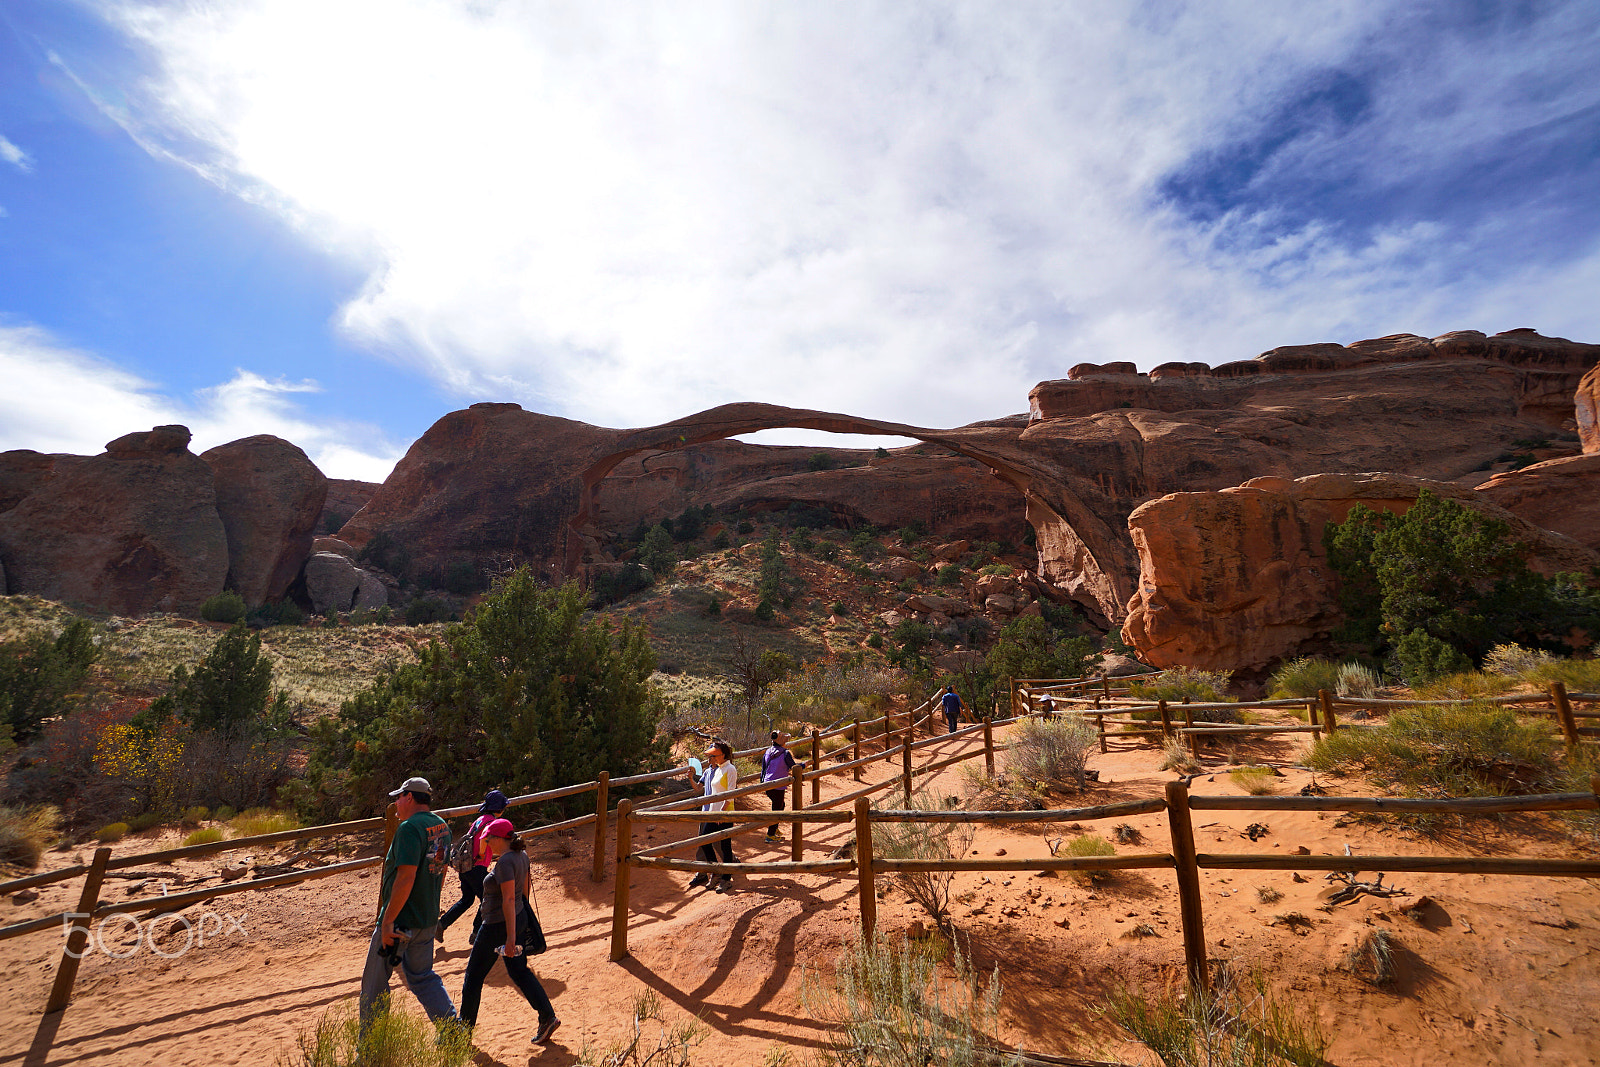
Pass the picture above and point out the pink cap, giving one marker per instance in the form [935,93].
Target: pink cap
[499,828]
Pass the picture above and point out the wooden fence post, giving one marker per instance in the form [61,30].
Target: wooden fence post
[816,765]
[1189,909]
[78,937]
[1166,720]
[855,747]
[602,801]
[797,800]
[864,880]
[905,765]
[1011,688]
[988,747]
[1100,725]
[1563,706]
[391,826]
[1105,687]
[1188,720]
[1311,717]
[888,728]
[619,899]
[1325,699]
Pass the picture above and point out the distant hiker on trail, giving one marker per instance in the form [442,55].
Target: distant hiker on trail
[477,859]
[413,875]
[776,763]
[505,893]
[1047,706]
[952,707]
[719,777]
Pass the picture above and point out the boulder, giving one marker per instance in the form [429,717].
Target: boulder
[371,593]
[345,498]
[891,619]
[1115,665]
[1588,410]
[332,582]
[952,551]
[1000,604]
[899,568]
[988,585]
[132,530]
[1559,494]
[925,603]
[1238,579]
[269,495]
[335,545]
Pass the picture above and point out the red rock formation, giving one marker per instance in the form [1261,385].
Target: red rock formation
[1588,410]
[346,496]
[1238,579]
[269,495]
[132,530]
[1559,494]
[24,470]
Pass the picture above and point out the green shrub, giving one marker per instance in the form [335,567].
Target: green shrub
[1449,751]
[1578,675]
[1358,680]
[721,540]
[41,678]
[26,832]
[948,576]
[231,687]
[1424,657]
[889,1007]
[147,821]
[1303,677]
[226,606]
[114,832]
[527,694]
[196,815]
[745,528]
[330,619]
[658,552]
[1467,685]
[258,821]
[1234,1024]
[1087,845]
[393,1039]
[223,814]
[1200,686]
[608,587]
[1257,781]
[821,461]
[283,613]
[997,568]
[427,610]
[204,836]
[839,608]
[765,612]
[875,641]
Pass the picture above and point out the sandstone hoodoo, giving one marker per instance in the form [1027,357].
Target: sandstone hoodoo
[1588,410]
[268,497]
[134,529]
[1238,579]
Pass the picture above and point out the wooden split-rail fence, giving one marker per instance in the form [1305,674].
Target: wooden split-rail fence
[834,752]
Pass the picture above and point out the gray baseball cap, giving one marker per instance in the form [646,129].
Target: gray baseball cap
[414,785]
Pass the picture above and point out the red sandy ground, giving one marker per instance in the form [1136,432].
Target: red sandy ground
[1502,970]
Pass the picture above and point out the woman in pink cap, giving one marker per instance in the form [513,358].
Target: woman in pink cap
[505,890]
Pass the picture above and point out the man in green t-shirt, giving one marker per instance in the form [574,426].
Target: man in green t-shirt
[413,875]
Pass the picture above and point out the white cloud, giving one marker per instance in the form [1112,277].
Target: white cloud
[911,212]
[63,400]
[15,156]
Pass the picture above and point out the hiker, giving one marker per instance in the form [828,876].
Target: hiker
[408,909]
[720,776]
[477,860]
[952,707]
[505,893]
[776,762]
[1047,706]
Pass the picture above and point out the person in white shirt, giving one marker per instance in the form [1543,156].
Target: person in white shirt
[720,776]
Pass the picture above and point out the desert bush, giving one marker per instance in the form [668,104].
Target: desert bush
[26,832]
[204,836]
[1303,677]
[889,1008]
[1358,680]
[114,832]
[145,761]
[1002,792]
[226,606]
[822,693]
[41,678]
[223,814]
[230,687]
[1257,781]
[258,821]
[1578,675]
[425,610]
[393,1039]
[666,1045]
[1467,685]
[1424,657]
[149,820]
[1513,660]
[1450,751]
[527,694]
[1237,1023]
[283,613]
[1053,751]
[195,815]
[1175,756]
[1371,959]
[1175,683]
[1086,845]
[925,841]
[1266,894]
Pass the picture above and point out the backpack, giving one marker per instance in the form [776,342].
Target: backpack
[461,857]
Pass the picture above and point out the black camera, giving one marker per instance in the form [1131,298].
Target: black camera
[392,953]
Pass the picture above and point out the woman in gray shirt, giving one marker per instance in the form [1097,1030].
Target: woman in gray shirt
[503,890]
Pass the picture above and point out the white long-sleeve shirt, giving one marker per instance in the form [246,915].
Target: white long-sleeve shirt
[718,780]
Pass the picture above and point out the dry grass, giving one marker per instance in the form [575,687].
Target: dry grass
[1372,958]
[1257,781]
[26,833]
[204,836]
[259,821]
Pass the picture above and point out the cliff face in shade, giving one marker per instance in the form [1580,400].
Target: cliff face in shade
[1238,579]
[1587,414]
[1559,494]
[134,529]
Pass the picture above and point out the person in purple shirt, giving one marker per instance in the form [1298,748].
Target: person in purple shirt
[776,763]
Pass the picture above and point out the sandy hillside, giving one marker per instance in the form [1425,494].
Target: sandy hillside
[1495,971]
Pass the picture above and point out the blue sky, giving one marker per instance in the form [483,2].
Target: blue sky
[336,221]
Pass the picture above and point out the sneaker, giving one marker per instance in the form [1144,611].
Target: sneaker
[773,839]
[545,1031]
[699,880]
[725,885]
